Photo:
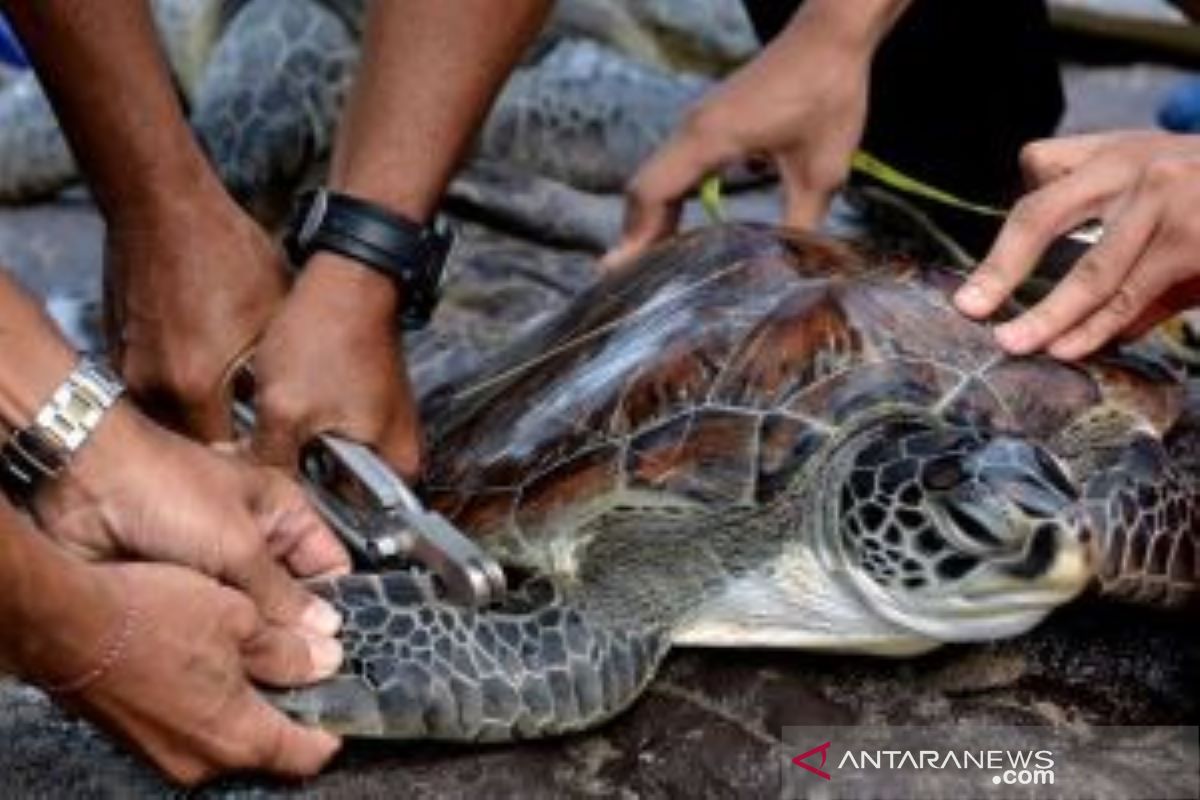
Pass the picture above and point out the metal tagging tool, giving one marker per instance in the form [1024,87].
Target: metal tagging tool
[381,520]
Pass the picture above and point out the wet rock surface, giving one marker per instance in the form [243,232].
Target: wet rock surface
[711,725]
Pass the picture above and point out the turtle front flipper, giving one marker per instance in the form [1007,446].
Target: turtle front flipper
[35,161]
[1145,508]
[267,106]
[419,668]
[1151,530]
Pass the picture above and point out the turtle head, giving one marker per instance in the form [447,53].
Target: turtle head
[956,535]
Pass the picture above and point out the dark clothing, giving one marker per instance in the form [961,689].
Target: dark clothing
[956,90]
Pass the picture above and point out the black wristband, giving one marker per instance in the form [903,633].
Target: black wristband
[408,253]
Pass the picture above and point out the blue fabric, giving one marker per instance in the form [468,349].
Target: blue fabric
[1180,112]
[10,49]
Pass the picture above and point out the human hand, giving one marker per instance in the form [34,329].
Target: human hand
[165,658]
[1145,189]
[801,104]
[331,363]
[188,291]
[137,491]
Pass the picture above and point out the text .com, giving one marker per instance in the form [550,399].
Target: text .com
[1025,777]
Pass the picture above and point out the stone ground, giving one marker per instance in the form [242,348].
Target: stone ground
[711,725]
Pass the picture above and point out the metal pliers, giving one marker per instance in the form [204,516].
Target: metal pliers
[381,520]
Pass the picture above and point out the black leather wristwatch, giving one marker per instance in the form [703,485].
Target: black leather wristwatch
[411,254]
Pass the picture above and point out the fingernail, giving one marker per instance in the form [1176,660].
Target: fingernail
[321,618]
[970,297]
[327,655]
[1012,337]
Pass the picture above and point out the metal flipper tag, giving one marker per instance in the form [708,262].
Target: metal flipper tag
[380,518]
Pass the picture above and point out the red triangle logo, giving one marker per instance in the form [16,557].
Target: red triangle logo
[801,760]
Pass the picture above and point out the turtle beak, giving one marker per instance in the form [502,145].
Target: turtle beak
[1049,560]
[1020,513]
[1058,556]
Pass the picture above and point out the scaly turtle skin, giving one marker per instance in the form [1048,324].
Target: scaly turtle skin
[266,79]
[755,438]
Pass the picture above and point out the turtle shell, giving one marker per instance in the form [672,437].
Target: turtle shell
[714,370]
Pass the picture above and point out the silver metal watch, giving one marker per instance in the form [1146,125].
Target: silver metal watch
[42,450]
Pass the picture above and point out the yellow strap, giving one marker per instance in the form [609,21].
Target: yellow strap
[867,164]
[710,199]
[885,173]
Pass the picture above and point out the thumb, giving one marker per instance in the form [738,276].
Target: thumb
[248,565]
[402,446]
[208,414]
[283,658]
[275,442]
[209,420]
[295,534]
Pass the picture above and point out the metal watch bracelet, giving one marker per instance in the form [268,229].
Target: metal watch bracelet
[43,449]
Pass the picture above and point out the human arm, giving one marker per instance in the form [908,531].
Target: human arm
[1144,186]
[331,361]
[157,655]
[134,490]
[801,103]
[190,280]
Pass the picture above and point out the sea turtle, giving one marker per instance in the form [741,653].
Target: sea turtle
[265,81]
[759,438]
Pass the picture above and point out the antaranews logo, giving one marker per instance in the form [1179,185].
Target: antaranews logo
[1010,767]
[849,762]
